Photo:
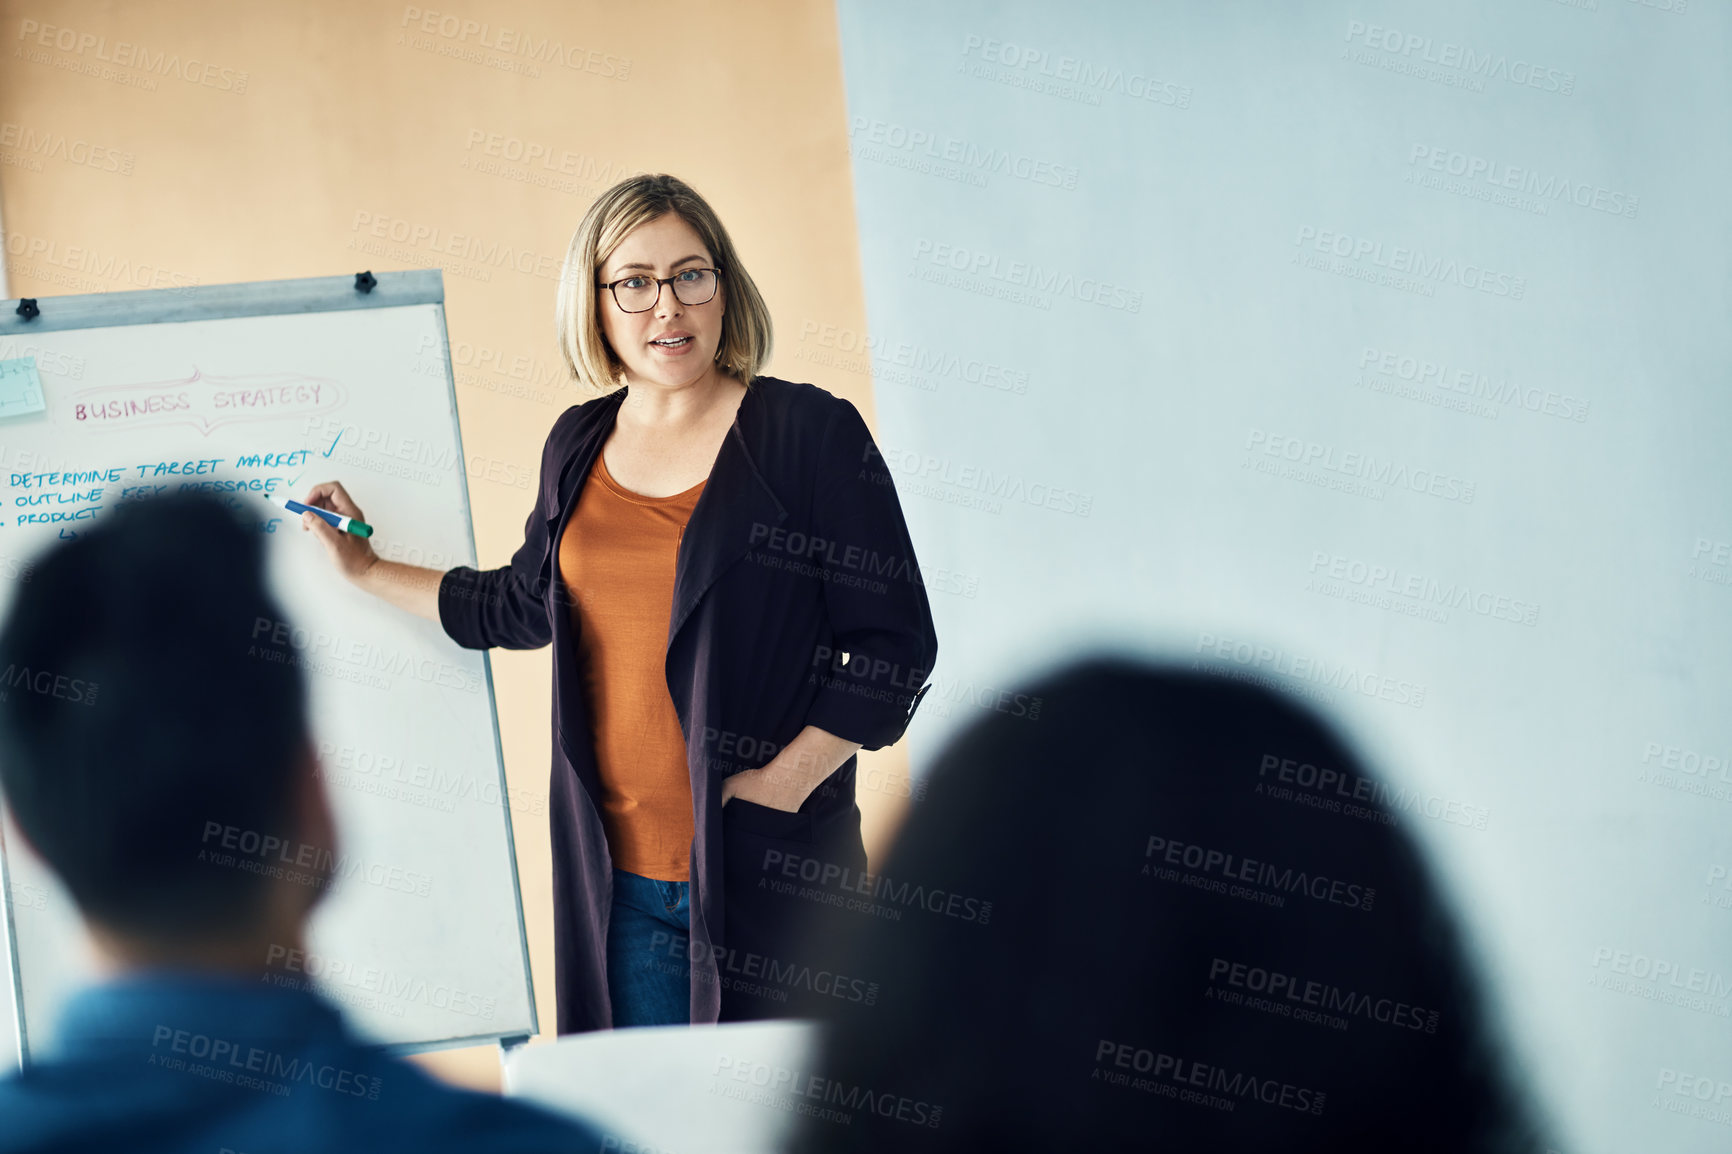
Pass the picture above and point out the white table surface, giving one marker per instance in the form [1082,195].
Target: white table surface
[673,1089]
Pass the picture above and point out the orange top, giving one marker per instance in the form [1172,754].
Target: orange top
[617,556]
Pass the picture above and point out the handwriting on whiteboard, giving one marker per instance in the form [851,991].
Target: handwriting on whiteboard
[203,401]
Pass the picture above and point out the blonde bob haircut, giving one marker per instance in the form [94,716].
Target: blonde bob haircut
[637,200]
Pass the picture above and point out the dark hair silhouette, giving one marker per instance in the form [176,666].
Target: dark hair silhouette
[1207,931]
[146,694]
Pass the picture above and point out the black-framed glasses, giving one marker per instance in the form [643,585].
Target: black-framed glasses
[639,293]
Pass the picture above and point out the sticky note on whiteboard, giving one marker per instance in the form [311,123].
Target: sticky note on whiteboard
[20,388]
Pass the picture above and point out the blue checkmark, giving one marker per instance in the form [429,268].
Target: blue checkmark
[333,447]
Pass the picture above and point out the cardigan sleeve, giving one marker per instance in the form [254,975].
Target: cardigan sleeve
[507,606]
[873,593]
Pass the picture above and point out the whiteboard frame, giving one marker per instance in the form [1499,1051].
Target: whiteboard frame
[282,298]
[15,1058]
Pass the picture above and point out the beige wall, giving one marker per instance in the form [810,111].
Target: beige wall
[303,128]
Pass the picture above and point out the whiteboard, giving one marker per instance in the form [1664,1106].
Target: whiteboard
[261,390]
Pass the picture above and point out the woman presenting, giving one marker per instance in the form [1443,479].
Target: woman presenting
[721,565]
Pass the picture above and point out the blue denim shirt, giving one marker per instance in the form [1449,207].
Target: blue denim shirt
[181,1062]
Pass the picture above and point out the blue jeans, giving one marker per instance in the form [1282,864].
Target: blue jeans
[649,965]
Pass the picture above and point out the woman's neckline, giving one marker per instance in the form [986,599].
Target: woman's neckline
[612,482]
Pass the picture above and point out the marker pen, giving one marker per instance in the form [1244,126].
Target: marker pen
[338,521]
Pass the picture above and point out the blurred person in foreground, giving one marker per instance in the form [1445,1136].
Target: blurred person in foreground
[159,719]
[1173,913]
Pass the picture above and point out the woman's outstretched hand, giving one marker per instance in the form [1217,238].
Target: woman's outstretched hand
[409,587]
[353,556]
